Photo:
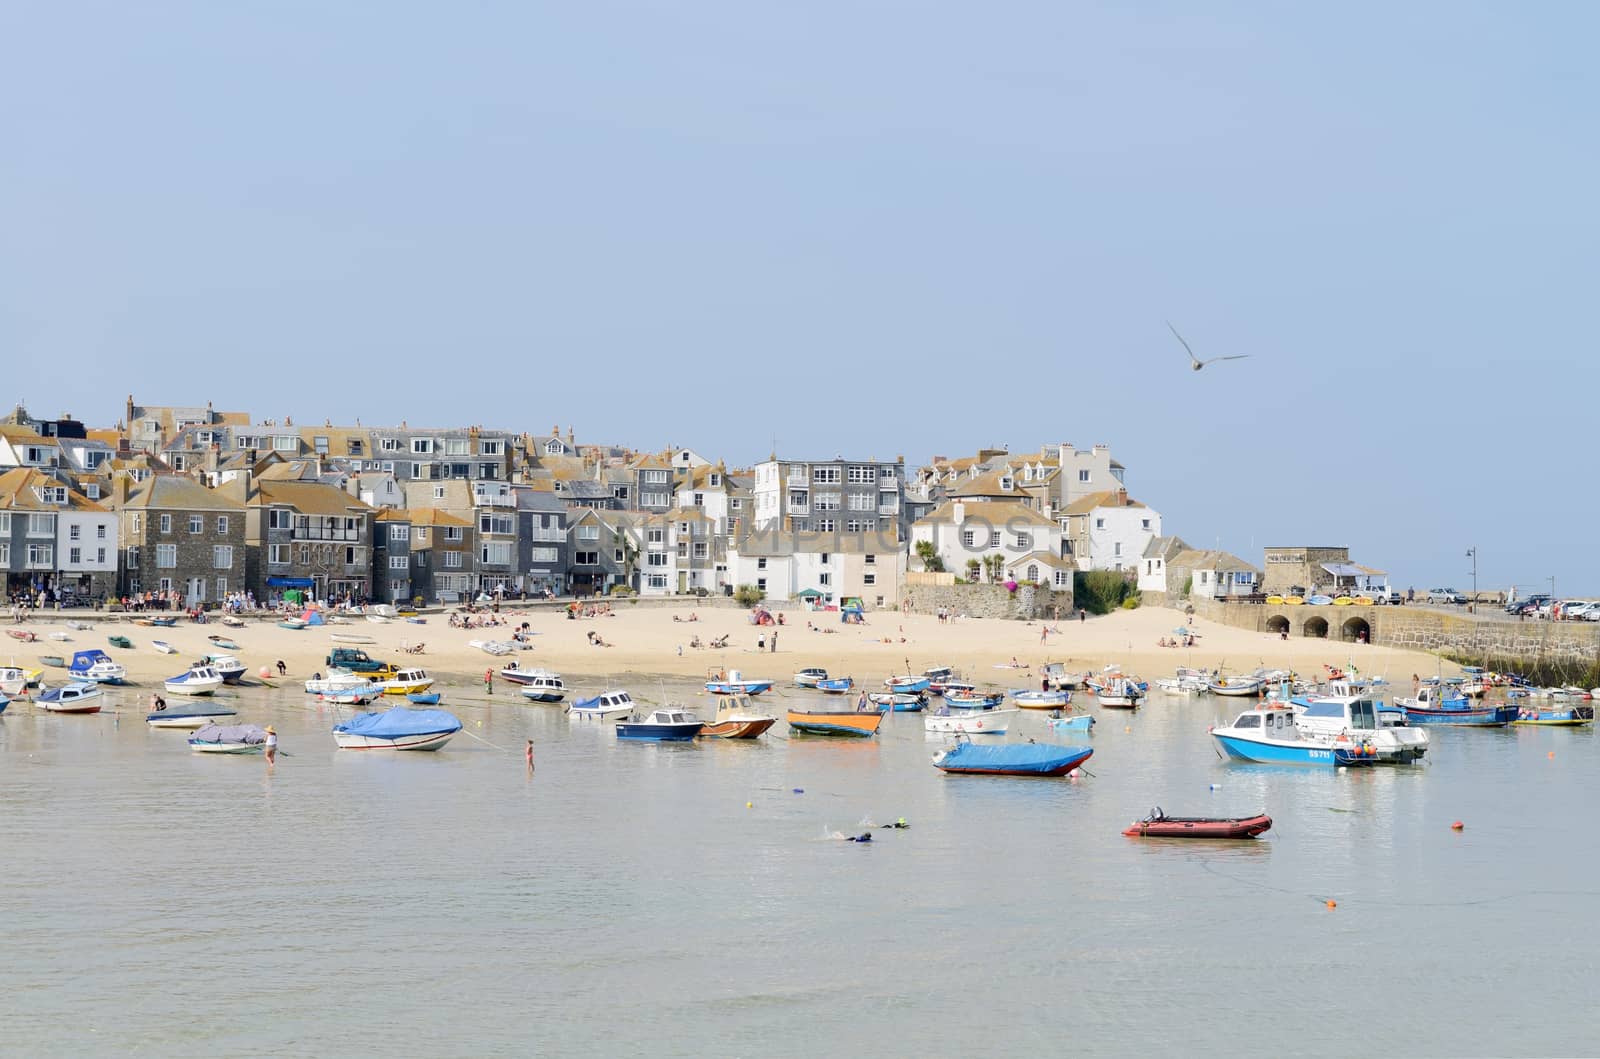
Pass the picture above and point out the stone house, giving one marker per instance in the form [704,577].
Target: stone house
[442,548]
[604,549]
[391,556]
[54,537]
[541,541]
[305,535]
[179,537]
[960,531]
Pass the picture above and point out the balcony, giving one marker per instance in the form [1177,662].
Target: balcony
[798,481]
[888,509]
[799,509]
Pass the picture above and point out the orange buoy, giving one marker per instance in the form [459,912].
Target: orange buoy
[1332,903]
[1457,826]
[1551,755]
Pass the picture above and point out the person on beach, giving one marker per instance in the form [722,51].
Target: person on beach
[774,641]
[1083,615]
[157,703]
[530,756]
[282,669]
[488,682]
[272,745]
[761,641]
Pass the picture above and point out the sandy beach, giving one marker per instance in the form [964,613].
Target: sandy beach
[648,641]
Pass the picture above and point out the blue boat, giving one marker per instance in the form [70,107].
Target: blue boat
[1269,737]
[1012,759]
[897,702]
[907,684]
[670,724]
[733,683]
[400,728]
[423,698]
[1488,715]
[94,664]
[835,685]
[1080,722]
[973,701]
[4,702]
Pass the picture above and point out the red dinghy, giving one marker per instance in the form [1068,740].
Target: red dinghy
[1159,825]
[24,636]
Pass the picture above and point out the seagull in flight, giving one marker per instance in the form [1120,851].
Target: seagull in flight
[1198,363]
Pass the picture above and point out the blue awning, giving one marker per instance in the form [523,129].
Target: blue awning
[290,582]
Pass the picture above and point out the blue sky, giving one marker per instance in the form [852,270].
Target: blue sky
[896,228]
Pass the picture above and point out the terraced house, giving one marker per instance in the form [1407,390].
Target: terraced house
[305,535]
[178,537]
[54,537]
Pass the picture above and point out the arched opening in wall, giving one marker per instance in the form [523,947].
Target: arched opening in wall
[1317,628]
[1356,630]
[1277,625]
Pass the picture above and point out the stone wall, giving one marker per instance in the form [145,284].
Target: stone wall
[989,601]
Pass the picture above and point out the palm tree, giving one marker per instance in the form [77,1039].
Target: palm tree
[930,557]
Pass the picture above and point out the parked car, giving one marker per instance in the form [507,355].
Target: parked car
[1445,595]
[1528,604]
[1572,609]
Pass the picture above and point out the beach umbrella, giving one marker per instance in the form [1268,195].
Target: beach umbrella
[1182,630]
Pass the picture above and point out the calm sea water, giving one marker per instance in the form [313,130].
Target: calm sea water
[626,901]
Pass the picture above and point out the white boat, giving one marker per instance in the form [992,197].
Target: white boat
[233,621]
[356,695]
[1060,677]
[1353,717]
[201,679]
[1041,700]
[164,647]
[972,722]
[105,672]
[387,611]
[808,677]
[337,680]
[1235,686]
[615,703]
[346,637]
[60,637]
[229,668]
[378,619]
[80,626]
[494,647]
[77,697]
[400,728]
[1119,693]
[229,739]
[13,681]
[544,686]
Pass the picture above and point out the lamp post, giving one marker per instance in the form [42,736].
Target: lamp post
[1552,596]
[1472,553]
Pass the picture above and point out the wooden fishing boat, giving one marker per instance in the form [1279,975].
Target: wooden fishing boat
[737,718]
[22,634]
[423,698]
[897,701]
[969,722]
[55,661]
[1159,825]
[1555,717]
[835,722]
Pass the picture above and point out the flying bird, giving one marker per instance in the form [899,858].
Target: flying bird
[1197,362]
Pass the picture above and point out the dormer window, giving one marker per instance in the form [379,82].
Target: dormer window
[716,479]
[1006,483]
[553,447]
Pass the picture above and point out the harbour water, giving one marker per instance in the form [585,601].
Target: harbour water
[626,900]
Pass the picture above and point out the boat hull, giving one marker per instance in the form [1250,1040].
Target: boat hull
[738,687]
[166,719]
[845,724]
[425,741]
[542,695]
[1081,723]
[1041,700]
[658,733]
[1118,702]
[193,688]
[1470,717]
[1200,827]
[976,722]
[1264,753]
[80,706]
[1033,761]
[224,748]
[746,729]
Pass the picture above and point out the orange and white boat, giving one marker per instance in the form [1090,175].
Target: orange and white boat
[835,722]
[737,718]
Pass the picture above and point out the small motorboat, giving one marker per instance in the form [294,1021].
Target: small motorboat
[737,718]
[355,695]
[733,682]
[810,677]
[60,637]
[670,723]
[907,683]
[1235,686]
[1120,693]
[836,685]
[1269,736]
[201,679]
[187,715]
[971,700]
[119,641]
[97,666]
[79,626]
[423,698]
[1041,700]
[1159,825]
[4,702]
[969,722]
[229,668]
[161,623]
[336,681]
[835,722]
[164,647]
[80,696]
[940,678]
[228,739]
[1011,759]
[897,701]
[616,703]
[222,643]
[13,681]
[1555,717]
[407,681]
[400,728]
[544,686]
[22,634]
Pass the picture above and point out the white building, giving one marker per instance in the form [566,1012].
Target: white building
[829,496]
[864,566]
[961,531]
[1109,530]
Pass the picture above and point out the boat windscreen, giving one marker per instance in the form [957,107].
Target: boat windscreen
[1248,720]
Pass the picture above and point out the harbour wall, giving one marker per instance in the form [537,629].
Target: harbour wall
[1027,603]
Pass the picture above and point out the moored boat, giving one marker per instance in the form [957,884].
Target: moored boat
[733,682]
[1358,718]
[1159,825]
[1268,736]
[229,668]
[13,681]
[971,700]
[542,685]
[22,634]
[1078,722]
[228,739]
[1235,686]
[163,647]
[896,701]
[1011,759]
[398,728]
[336,681]
[836,685]
[76,697]
[1120,693]
[669,723]
[970,722]
[423,698]
[1041,700]
[808,677]
[200,679]
[1555,716]
[835,722]
[737,718]
[119,641]
[907,683]
[615,703]
[408,681]
[94,664]
[222,643]
[53,661]
[187,715]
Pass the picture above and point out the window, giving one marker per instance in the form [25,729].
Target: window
[389,444]
[354,555]
[495,524]
[100,555]
[1083,476]
[73,532]
[166,556]
[399,562]
[286,443]
[1099,523]
[585,558]
[422,535]
[222,587]
[657,580]
[487,447]
[74,556]
[994,538]
[886,472]
[761,563]
[417,471]
[828,501]
[1116,548]
[825,556]
[305,554]
[656,559]
[438,492]
[799,498]
[1144,523]
[545,555]
[825,525]
[421,446]
[870,560]
[135,523]
[616,555]
[552,447]
[1063,578]
[1033,571]
[399,533]
[699,500]
[453,533]
[197,524]
[861,476]
[354,445]
[825,475]
[699,549]
[319,443]
[222,556]
[1024,542]
[279,519]
[869,579]
[761,583]
[455,446]
[967,539]
[824,578]
[496,552]
[588,533]
[860,501]
[452,560]
[92,490]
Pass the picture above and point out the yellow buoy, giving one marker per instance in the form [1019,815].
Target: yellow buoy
[749,805]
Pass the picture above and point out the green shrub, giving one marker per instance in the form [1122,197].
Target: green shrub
[1102,591]
[1131,603]
[749,595]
